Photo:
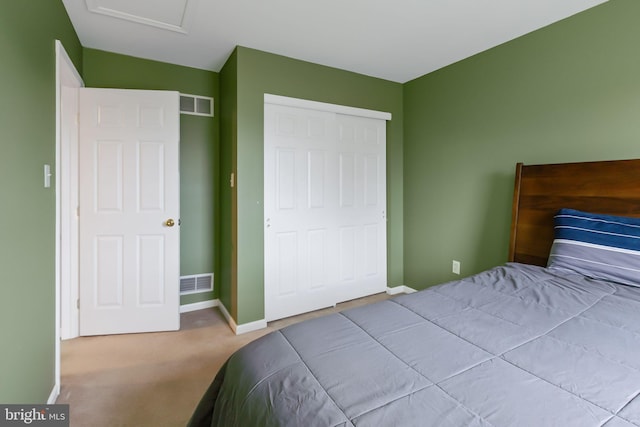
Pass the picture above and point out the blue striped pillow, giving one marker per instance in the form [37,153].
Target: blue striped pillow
[598,246]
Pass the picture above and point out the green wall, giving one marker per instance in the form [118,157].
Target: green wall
[567,92]
[228,149]
[27,239]
[259,73]
[199,149]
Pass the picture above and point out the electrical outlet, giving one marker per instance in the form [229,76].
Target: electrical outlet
[455,267]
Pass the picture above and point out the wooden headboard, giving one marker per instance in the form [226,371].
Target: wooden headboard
[609,187]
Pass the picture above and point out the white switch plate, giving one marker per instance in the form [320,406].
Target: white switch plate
[455,267]
[47,176]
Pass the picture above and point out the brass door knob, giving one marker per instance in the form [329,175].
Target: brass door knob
[170,222]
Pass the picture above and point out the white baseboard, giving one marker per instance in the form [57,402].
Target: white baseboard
[251,326]
[262,323]
[55,392]
[400,290]
[227,316]
[245,327]
[186,308]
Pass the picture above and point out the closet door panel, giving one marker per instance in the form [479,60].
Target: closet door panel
[324,202]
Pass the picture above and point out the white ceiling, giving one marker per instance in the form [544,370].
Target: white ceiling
[396,40]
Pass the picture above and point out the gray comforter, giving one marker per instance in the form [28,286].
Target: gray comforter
[517,345]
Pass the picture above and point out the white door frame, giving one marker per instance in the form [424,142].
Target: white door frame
[66,312]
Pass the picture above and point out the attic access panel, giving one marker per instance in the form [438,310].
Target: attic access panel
[174,15]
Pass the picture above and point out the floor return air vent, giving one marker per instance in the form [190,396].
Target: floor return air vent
[196,283]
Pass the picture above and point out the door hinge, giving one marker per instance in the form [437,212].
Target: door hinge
[78,303]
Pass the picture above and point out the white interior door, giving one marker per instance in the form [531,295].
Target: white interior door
[129,211]
[362,204]
[325,202]
[300,211]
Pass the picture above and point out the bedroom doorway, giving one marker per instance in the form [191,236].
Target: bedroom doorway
[158,167]
[66,176]
[324,205]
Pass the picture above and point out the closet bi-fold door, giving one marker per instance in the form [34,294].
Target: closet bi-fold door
[324,209]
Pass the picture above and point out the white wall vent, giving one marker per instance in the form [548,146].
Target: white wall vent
[196,105]
[196,283]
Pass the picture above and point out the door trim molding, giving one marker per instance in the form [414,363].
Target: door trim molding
[323,106]
[62,254]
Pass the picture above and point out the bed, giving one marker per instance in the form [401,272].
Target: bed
[550,338]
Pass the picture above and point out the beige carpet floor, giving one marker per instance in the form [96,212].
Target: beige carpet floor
[154,379]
